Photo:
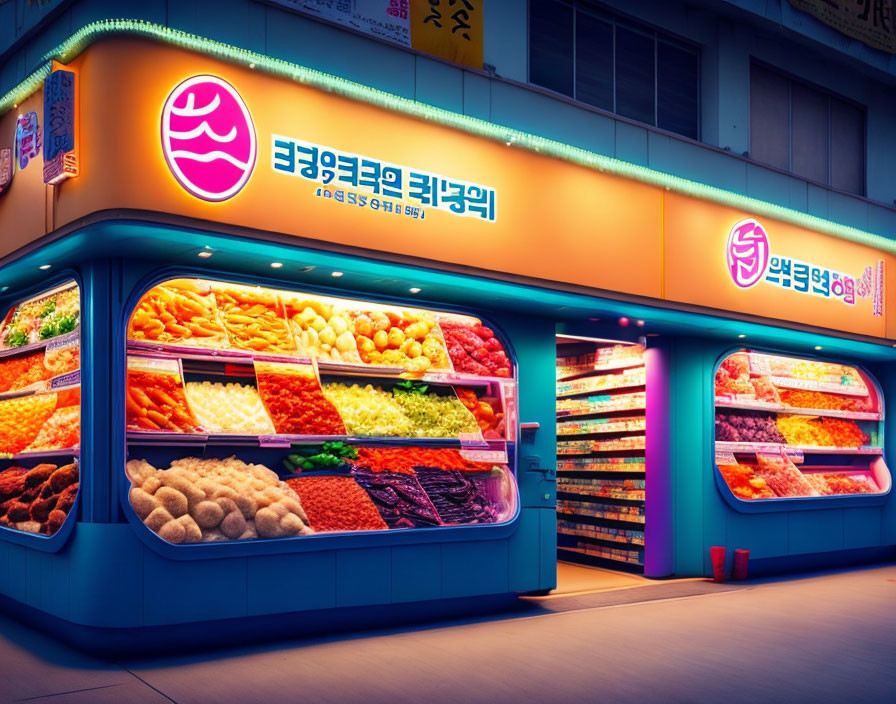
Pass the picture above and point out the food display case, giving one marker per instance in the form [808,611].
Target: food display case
[40,413]
[259,414]
[797,433]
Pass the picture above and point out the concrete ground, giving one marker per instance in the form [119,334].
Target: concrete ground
[828,637]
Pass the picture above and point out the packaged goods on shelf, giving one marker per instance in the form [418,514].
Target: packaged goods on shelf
[213,500]
[603,357]
[178,312]
[636,442]
[744,426]
[405,338]
[321,329]
[253,318]
[336,503]
[228,408]
[456,496]
[617,488]
[404,459]
[632,557]
[43,318]
[783,477]
[399,498]
[473,347]
[602,464]
[574,447]
[22,371]
[617,512]
[37,499]
[634,376]
[21,420]
[292,396]
[745,483]
[581,405]
[155,397]
[599,532]
[600,425]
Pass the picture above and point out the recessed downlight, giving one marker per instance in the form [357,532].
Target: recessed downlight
[204,254]
[336,274]
[414,289]
[276,265]
[44,267]
[818,347]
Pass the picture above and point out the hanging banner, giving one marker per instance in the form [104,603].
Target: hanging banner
[60,155]
[869,21]
[449,29]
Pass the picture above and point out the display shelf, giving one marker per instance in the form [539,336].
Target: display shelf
[603,427]
[601,536]
[581,491]
[785,382]
[567,415]
[600,555]
[776,448]
[603,368]
[25,455]
[633,384]
[246,358]
[722,402]
[602,515]
[137,437]
[34,346]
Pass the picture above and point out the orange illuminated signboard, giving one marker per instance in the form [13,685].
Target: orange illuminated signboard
[222,143]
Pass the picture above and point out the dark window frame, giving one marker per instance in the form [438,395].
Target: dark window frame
[829,95]
[628,22]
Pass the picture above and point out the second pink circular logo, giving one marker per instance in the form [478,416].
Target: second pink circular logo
[747,253]
[208,138]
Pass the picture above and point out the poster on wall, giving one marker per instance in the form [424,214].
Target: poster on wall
[869,21]
[27,139]
[449,29]
[6,169]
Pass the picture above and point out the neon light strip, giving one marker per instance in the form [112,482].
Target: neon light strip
[94,31]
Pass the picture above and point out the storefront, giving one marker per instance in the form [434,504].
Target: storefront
[282,350]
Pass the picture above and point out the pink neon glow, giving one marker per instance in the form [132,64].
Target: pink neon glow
[747,253]
[208,138]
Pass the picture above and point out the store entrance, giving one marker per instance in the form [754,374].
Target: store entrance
[601,405]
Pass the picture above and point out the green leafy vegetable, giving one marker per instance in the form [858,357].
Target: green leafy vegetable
[17,338]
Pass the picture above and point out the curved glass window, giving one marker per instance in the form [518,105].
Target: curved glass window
[787,427]
[40,411]
[254,413]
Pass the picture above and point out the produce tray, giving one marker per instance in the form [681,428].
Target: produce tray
[194,439]
[62,452]
[722,402]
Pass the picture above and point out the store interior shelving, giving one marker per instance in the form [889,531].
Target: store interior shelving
[600,453]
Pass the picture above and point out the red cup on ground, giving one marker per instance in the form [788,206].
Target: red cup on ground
[717,555]
[741,562]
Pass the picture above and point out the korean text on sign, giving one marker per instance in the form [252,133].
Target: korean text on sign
[352,171]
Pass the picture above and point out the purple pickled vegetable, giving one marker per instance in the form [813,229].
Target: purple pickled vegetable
[456,496]
[398,497]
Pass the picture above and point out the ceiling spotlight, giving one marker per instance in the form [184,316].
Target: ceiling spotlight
[276,265]
[414,289]
[251,65]
[336,274]
[741,336]
[204,254]
[44,267]
[640,323]
[818,347]
[623,321]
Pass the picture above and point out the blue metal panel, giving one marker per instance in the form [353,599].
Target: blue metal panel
[230,22]
[547,577]
[525,110]
[881,221]
[87,11]
[847,210]
[815,531]
[106,576]
[818,200]
[477,96]
[47,585]
[416,573]
[799,195]
[363,577]
[862,528]
[763,535]
[471,569]
[283,583]
[524,554]
[12,568]
[52,35]
[631,143]
[768,185]
[179,592]
[691,161]
[439,84]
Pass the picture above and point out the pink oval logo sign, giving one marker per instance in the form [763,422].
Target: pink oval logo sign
[747,253]
[208,138]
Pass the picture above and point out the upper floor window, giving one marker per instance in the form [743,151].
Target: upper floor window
[806,130]
[615,64]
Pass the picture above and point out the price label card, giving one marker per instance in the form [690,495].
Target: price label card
[274,441]
[64,381]
[485,456]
